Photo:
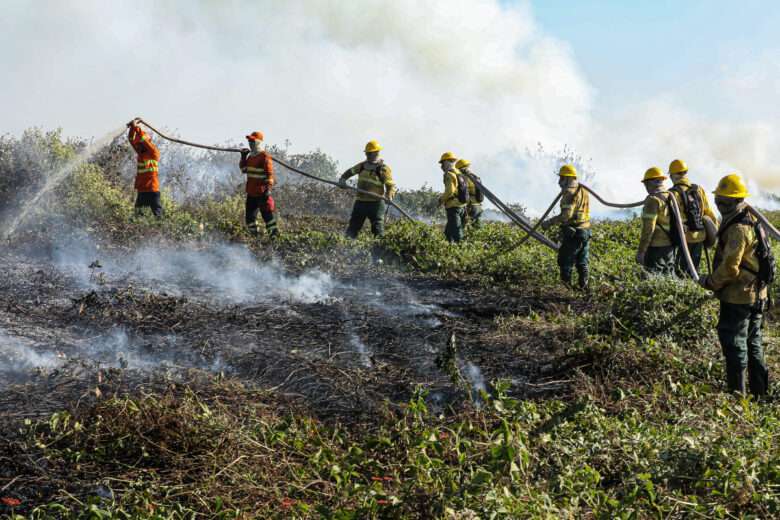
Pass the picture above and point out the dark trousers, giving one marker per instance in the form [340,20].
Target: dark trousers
[739,331]
[453,231]
[574,251]
[263,204]
[696,250]
[660,259]
[374,211]
[148,199]
[474,213]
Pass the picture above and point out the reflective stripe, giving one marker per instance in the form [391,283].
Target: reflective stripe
[369,180]
[255,176]
[566,206]
[253,169]
[147,166]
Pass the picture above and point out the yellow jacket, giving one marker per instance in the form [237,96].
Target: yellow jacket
[575,208]
[373,177]
[450,196]
[693,237]
[656,222]
[735,257]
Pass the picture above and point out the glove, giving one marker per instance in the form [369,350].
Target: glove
[640,258]
[705,282]
[342,183]
[245,152]
[392,193]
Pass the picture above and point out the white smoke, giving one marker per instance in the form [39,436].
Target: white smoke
[217,271]
[476,77]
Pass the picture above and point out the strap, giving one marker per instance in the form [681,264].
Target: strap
[740,218]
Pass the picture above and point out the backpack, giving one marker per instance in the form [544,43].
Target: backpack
[478,195]
[693,207]
[767,265]
[462,188]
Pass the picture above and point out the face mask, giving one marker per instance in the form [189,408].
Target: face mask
[726,207]
[254,146]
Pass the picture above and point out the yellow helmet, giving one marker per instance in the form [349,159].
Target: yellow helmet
[567,170]
[372,146]
[732,186]
[462,163]
[448,156]
[678,166]
[654,173]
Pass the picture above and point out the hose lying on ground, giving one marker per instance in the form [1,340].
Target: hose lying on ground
[278,161]
[521,221]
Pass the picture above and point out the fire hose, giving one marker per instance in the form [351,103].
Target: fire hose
[519,220]
[278,161]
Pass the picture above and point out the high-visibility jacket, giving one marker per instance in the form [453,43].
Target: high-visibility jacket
[376,178]
[736,265]
[575,208]
[450,196]
[259,170]
[148,167]
[656,222]
[684,184]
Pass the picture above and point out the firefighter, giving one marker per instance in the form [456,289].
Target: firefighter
[694,206]
[474,207]
[147,183]
[656,251]
[376,178]
[736,281]
[258,167]
[454,198]
[574,222]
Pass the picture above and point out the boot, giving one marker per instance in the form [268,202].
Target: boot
[584,278]
[566,279]
[736,381]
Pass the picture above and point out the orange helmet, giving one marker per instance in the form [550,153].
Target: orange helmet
[255,136]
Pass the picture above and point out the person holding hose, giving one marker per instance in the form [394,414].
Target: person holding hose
[574,221]
[656,251]
[474,207]
[258,167]
[694,206]
[737,282]
[376,178]
[455,197]
[147,183]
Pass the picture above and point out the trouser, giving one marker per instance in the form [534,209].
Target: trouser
[696,250]
[265,205]
[739,331]
[474,213]
[660,259]
[453,231]
[148,199]
[574,251]
[374,211]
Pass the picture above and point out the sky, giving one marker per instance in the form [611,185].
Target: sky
[620,86]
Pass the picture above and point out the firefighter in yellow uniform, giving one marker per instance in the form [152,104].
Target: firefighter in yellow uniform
[736,280]
[474,207]
[376,178]
[455,197]
[574,222]
[694,206]
[656,251]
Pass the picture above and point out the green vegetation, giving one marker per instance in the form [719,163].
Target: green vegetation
[644,429]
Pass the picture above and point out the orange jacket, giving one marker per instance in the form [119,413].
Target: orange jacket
[148,156]
[259,170]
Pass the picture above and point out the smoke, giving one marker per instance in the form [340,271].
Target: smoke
[223,272]
[480,78]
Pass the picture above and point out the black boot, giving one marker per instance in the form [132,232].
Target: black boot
[736,381]
[584,278]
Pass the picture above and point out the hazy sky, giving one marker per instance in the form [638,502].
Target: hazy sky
[624,84]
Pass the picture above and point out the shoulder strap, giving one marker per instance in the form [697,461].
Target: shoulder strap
[742,218]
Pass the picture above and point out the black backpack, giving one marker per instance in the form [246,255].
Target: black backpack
[462,188]
[478,195]
[693,207]
[767,265]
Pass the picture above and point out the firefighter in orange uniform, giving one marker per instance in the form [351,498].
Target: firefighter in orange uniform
[259,169]
[147,183]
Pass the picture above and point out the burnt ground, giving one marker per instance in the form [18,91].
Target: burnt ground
[70,332]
